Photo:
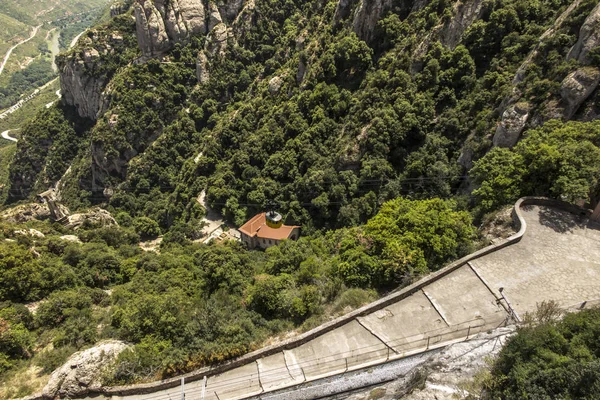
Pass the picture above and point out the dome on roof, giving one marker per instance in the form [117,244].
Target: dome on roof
[274,220]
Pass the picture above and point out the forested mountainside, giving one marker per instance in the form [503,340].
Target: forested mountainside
[384,128]
[327,108]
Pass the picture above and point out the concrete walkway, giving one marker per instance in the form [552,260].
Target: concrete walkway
[557,259]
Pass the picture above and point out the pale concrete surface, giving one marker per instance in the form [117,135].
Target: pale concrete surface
[348,346]
[237,383]
[403,325]
[273,373]
[461,298]
[557,259]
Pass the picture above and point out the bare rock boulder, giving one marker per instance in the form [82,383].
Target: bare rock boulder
[275,85]
[94,217]
[512,125]
[202,71]
[589,37]
[29,212]
[82,371]
[577,87]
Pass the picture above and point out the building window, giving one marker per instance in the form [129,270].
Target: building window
[270,241]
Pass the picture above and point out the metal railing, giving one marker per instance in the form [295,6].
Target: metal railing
[319,367]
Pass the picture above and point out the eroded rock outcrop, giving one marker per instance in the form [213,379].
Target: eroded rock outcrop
[29,212]
[589,37]
[366,17]
[82,371]
[78,87]
[344,9]
[160,24]
[94,217]
[512,125]
[577,87]
[464,14]
[202,72]
[88,68]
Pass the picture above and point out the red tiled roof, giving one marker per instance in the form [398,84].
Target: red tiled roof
[257,226]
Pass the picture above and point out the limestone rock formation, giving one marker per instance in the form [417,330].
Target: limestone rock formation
[30,232]
[29,212]
[366,17]
[216,42]
[78,87]
[275,85]
[589,37]
[82,371]
[95,217]
[512,125]
[344,9]
[202,72]
[117,9]
[230,9]
[464,14]
[214,16]
[577,87]
[160,24]
[150,29]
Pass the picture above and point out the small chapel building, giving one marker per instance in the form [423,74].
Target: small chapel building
[266,230]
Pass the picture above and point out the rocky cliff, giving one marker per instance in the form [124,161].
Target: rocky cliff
[88,67]
[79,88]
[160,24]
[589,37]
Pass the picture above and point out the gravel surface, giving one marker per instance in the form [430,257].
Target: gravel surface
[342,384]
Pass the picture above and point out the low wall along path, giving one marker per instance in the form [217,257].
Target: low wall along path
[554,256]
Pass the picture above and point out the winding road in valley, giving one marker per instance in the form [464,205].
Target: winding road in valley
[6,57]
[7,137]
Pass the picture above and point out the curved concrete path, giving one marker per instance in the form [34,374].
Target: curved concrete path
[557,258]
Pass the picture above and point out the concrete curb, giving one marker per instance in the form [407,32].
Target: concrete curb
[370,308]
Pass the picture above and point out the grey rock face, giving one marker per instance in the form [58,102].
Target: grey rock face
[229,9]
[512,125]
[82,371]
[344,9]
[78,87]
[589,37]
[577,87]
[275,85]
[465,13]
[214,16]
[216,42]
[160,24]
[96,216]
[367,15]
[202,72]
